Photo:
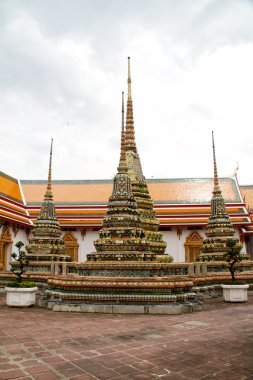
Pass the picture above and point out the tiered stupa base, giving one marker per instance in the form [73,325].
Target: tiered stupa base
[47,251]
[215,249]
[129,287]
[48,257]
[121,256]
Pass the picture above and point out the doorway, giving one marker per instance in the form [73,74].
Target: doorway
[193,245]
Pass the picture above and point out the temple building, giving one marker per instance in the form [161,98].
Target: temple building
[172,214]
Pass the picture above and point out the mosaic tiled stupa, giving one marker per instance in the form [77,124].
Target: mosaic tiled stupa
[46,243]
[219,227]
[124,275]
[121,237]
[148,219]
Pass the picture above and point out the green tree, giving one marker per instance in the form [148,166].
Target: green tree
[234,256]
[22,263]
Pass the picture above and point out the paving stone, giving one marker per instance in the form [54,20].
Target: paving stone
[47,376]
[125,370]
[193,374]
[4,367]
[52,359]
[38,369]
[70,372]
[16,374]
[30,363]
[83,377]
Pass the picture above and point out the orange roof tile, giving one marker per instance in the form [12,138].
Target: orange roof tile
[172,191]
[247,193]
[9,187]
[83,203]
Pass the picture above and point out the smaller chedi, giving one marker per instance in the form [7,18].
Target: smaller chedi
[122,237]
[219,227]
[46,243]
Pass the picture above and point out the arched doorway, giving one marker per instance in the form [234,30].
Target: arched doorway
[193,244]
[71,245]
[5,248]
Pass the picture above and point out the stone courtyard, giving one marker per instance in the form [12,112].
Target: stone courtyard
[216,343]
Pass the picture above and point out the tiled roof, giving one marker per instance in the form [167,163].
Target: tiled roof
[176,201]
[247,193]
[168,191]
[82,203]
[9,188]
[12,208]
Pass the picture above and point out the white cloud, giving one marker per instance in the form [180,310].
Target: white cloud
[63,68]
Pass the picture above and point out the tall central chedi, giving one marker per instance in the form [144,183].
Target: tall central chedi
[130,227]
[219,227]
[122,237]
[149,222]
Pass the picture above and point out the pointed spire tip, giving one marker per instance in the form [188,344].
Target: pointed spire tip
[49,181]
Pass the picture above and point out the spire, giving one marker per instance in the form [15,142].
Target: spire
[122,113]
[219,227]
[46,243]
[216,189]
[122,168]
[129,82]
[130,135]
[49,194]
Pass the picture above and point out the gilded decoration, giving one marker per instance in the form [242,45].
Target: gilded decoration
[193,245]
[71,245]
[5,246]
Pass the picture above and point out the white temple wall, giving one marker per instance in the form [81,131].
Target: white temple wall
[176,242]
[91,236]
[85,242]
[18,235]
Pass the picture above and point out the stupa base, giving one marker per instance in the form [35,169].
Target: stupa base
[121,256]
[127,295]
[48,257]
[180,307]
[212,256]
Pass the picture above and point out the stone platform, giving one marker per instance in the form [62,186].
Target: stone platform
[169,309]
[129,287]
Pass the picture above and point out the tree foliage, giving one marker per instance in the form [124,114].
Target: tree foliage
[234,256]
[20,268]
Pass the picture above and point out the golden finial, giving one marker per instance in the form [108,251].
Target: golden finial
[49,181]
[129,80]
[236,169]
[130,135]
[123,114]
[122,162]
[216,180]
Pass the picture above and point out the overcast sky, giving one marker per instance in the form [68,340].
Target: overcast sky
[63,65]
